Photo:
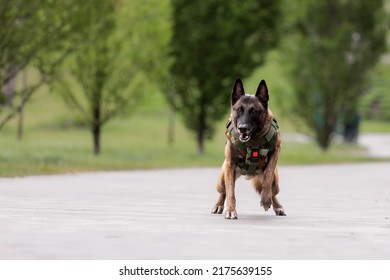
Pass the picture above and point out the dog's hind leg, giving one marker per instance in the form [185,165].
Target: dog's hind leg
[221,188]
[278,208]
[257,184]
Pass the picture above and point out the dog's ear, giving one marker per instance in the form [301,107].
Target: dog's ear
[262,94]
[238,91]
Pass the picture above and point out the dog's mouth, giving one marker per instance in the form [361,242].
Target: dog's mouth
[245,137]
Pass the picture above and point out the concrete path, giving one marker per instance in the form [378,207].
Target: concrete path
[378,144]
[334,212]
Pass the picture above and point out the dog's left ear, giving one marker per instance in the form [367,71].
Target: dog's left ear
[262,94]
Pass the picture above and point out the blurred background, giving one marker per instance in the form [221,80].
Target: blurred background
[134,84]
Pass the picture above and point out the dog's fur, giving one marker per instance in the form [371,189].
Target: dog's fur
[251,117]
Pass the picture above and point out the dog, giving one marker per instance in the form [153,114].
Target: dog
[252,150]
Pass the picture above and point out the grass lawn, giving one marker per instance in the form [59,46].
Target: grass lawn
[50,145]
[375,127]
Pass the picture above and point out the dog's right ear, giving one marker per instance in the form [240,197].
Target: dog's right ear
[238,91]
[262,94]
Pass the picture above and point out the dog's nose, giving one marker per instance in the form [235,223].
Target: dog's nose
[243,129]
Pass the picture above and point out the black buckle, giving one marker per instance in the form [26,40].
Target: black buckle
[229,122]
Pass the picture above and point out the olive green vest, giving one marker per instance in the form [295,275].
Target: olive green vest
[255,150]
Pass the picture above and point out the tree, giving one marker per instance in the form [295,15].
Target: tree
[213,42]
[332,46]
[113,67]
[375,104]
[38,34]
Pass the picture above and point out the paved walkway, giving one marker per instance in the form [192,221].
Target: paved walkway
[378,144]
[334,212]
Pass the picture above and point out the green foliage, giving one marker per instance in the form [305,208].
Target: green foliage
[32,28]
[375,104]
[213,42]
[38,33]
[122,51]
[331,45]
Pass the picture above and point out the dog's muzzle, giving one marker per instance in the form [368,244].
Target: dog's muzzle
[245,133]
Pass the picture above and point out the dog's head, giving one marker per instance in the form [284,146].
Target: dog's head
[249,112]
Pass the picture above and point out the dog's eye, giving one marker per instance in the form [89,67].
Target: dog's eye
[240,110]
[254,112]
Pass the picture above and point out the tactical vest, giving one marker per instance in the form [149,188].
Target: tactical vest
[255,150]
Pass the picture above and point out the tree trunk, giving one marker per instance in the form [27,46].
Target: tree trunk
[9,89]
[324,136]
[200,141]
[96,126]
[20,125]
[201,130]
[20,112]
[324,142]
[171,126]
[96,140]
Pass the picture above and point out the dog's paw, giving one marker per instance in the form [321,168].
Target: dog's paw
[231,215]
[266,201]
[279,212]
[217,210]
[265,205]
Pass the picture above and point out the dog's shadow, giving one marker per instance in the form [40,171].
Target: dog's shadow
[259,217]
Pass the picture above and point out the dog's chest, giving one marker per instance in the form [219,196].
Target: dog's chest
[244,165]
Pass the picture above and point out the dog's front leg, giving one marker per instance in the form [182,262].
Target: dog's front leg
[268,178]
[230,178]
[218,208]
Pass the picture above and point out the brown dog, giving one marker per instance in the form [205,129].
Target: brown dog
[252,150]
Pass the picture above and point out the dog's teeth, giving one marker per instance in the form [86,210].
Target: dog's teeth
[244,138]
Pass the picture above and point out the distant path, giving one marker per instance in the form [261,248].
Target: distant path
[334,212]
[378,144]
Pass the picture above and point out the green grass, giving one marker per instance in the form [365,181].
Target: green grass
[309,153]
[50,145]
[375,127]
